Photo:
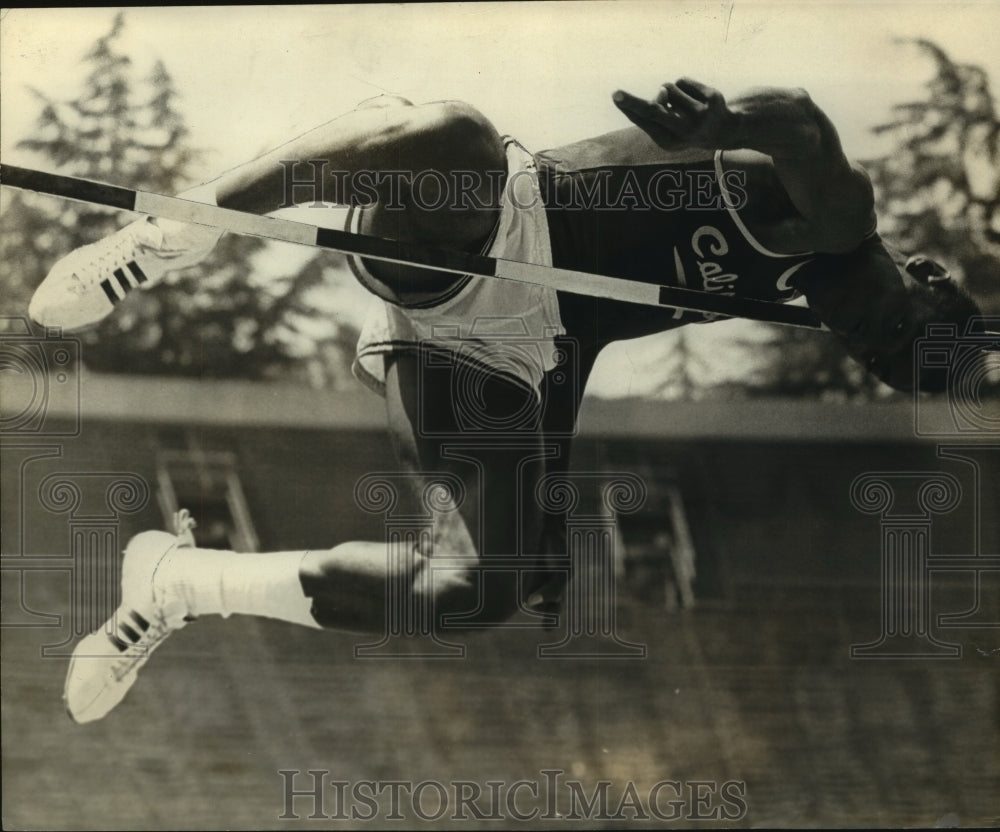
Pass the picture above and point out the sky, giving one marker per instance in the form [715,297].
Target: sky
[252,77]
[249,77]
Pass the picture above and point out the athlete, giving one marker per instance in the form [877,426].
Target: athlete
[483,378]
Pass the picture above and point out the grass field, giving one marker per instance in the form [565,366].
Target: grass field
[758,690]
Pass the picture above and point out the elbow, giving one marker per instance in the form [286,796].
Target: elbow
[858,212]
[844,237]
[848,217]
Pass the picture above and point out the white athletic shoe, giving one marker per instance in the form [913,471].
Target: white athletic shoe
[85,286]
[105,664]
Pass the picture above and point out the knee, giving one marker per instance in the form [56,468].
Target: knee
[465,122]
[468,135]
[462,600]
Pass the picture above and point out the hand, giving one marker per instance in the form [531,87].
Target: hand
[685,114]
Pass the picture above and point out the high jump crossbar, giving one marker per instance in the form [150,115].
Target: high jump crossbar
[408,254]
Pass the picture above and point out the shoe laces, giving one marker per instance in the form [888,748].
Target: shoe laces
[114,252]
[157,631]
[184,526]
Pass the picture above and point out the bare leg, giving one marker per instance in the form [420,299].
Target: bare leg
[498,516]
[493,514]
[349,582]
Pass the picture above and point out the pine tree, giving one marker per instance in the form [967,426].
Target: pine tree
[805,363]
[209,320]
[938,187]
[82,138]
[683,368]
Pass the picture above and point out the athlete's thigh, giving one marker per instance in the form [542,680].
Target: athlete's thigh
[480,429]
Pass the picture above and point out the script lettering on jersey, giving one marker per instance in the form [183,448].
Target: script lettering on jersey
[708,242]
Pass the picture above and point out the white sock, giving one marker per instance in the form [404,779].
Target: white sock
[214,582]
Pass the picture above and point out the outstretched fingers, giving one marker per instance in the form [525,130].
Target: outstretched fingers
[686,113]
[697,90]
[653,111]
[673,97]
[663,125]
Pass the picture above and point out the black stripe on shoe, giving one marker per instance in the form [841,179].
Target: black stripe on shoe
[141,622]
[123,281]
[117,642]
[140,275]
[129,632]
[106,286]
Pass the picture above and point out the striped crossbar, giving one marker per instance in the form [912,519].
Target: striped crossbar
[410,254]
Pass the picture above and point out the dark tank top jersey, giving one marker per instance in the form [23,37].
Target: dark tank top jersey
[667,223]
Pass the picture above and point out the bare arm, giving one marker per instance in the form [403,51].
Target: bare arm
[832,195]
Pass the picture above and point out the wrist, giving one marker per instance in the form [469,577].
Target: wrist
[735,133]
